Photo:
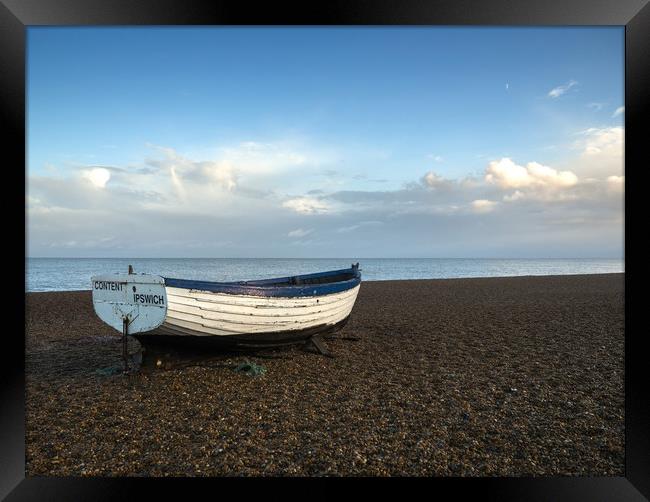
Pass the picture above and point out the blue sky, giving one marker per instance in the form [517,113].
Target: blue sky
[297,134]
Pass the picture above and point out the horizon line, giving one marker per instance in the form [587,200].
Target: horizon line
[324,258]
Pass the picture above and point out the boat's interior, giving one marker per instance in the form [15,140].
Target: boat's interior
[263,286]
[307,279]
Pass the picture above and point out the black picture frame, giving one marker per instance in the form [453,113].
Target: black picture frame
[17,15]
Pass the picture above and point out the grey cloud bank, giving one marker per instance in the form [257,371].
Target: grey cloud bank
[261,200]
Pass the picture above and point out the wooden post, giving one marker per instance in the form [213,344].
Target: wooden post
[318,343]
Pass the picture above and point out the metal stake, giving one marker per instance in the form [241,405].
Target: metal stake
[125,333]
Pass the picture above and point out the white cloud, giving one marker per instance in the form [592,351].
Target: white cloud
[352,228]
[517,195]
[483,205]
[97,176]
[616,183]
[596,106]
[547,176]
[607,140]
[506,174]
[433,180]
[299,232]
[307,205]
[437,158]
[561,89]
[619,111]
[253,165]
[601,153]
[256,158]
[221,173]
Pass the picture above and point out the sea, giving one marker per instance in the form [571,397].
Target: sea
[71,274]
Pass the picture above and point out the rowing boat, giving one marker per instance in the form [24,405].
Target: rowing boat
[245,313]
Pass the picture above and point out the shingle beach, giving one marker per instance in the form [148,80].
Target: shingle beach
[512,376]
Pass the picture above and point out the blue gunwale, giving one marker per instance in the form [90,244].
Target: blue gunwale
[278,287]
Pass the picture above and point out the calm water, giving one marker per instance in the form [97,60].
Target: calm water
[60,274]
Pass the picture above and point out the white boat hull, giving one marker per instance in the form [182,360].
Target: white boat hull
[206,314]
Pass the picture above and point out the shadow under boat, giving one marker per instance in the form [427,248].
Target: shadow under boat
[172,351]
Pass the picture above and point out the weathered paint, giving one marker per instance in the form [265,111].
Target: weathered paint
[141,299]
[200,313]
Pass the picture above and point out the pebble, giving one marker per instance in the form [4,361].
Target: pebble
[517,376]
